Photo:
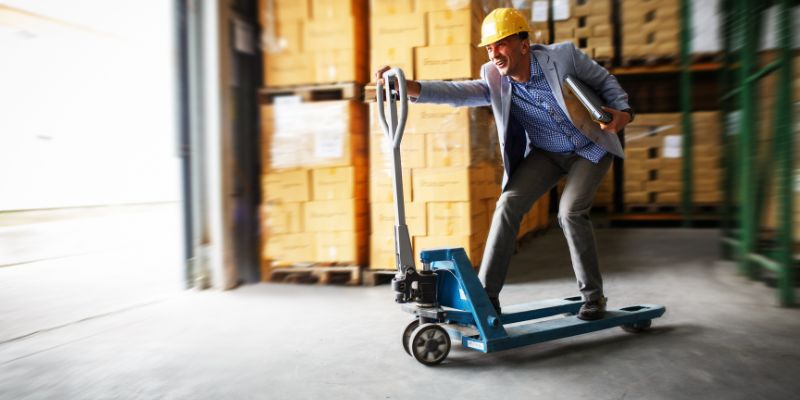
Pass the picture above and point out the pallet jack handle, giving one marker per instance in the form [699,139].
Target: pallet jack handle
[393,129]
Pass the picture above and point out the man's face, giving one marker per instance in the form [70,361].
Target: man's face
[508,54]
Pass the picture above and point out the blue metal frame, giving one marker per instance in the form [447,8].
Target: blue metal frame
[463,300]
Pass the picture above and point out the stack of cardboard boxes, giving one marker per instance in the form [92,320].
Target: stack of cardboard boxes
[451,182]
[588,25]
[649,29]
[314,41]
[654,163]
[314,183]
[428,39]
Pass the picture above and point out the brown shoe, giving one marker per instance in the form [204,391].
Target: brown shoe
[593,310]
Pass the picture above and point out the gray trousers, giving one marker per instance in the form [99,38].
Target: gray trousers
[535,176]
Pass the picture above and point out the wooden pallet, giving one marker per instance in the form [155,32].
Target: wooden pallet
[375,277]
[323,92]
[320,273]
[649,61]
[670,208]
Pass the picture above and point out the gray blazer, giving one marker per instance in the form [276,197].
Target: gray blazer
[557,60]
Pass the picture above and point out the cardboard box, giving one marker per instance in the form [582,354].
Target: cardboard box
[335,216]
[400,57]
[398,31]
[461,61]
[456,218]
[382,252]
[286,186]
[288,69]
[381,188]
[449,184]
[412,152]
[283,36]
[294,247]
[334,9]
[283,10]
[472,244]
[390,7]
[448,149]
[339,183]
[313,134]
[348,247]
[340,65]
[450,5]
[453,27]
[340,33]
[383,218]
[432,118]
[280,218]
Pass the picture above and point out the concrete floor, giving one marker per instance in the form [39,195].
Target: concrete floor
[722,337]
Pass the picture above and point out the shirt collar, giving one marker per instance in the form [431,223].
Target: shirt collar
[535,71]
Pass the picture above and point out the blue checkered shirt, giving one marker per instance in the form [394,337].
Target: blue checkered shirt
[547,126]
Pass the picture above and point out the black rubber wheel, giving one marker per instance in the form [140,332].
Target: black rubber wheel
[429,344]
[407,334]
[637,327]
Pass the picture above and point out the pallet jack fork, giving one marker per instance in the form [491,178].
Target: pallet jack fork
[446,297]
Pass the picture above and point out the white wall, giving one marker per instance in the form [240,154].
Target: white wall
[87,114]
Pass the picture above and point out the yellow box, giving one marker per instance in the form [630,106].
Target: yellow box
[449,5]
[400,30]
[412,152]
[472,244]
[281,37]
[284,10]
[340,33]
[339,183]
[456,218]
[381,251]
[390,7]
[339,65]
[449,184]
[293,247]
[333,9]
[431,118]
[280,218]
[286,186]
[348,247]
[600,7]
[400,57]
[335,216]
[381,188]
[453,27]
[313,134]
[288,69]
[460,61]
[448,149]
[382,218]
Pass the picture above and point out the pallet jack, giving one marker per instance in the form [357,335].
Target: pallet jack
[446,296]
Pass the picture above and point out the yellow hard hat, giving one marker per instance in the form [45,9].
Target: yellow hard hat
[501,23]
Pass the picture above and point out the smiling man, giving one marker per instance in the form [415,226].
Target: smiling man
[539,142]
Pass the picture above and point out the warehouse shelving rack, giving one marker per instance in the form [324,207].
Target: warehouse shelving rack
[746,175]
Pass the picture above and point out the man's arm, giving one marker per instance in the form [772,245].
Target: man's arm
[472,93]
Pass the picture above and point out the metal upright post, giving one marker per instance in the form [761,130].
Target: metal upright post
[727,220]
[686,112]
[784,147]
[747,215]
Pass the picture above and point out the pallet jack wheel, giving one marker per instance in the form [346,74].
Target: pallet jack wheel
[429,344]
[637,327]
[407,334]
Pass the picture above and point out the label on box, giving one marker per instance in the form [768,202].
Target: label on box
[329,144]
[672,146]
[539,11]
[560,10]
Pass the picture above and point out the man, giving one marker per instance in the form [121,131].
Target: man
[539,142]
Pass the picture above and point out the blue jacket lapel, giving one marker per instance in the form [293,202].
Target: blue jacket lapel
[551,75]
